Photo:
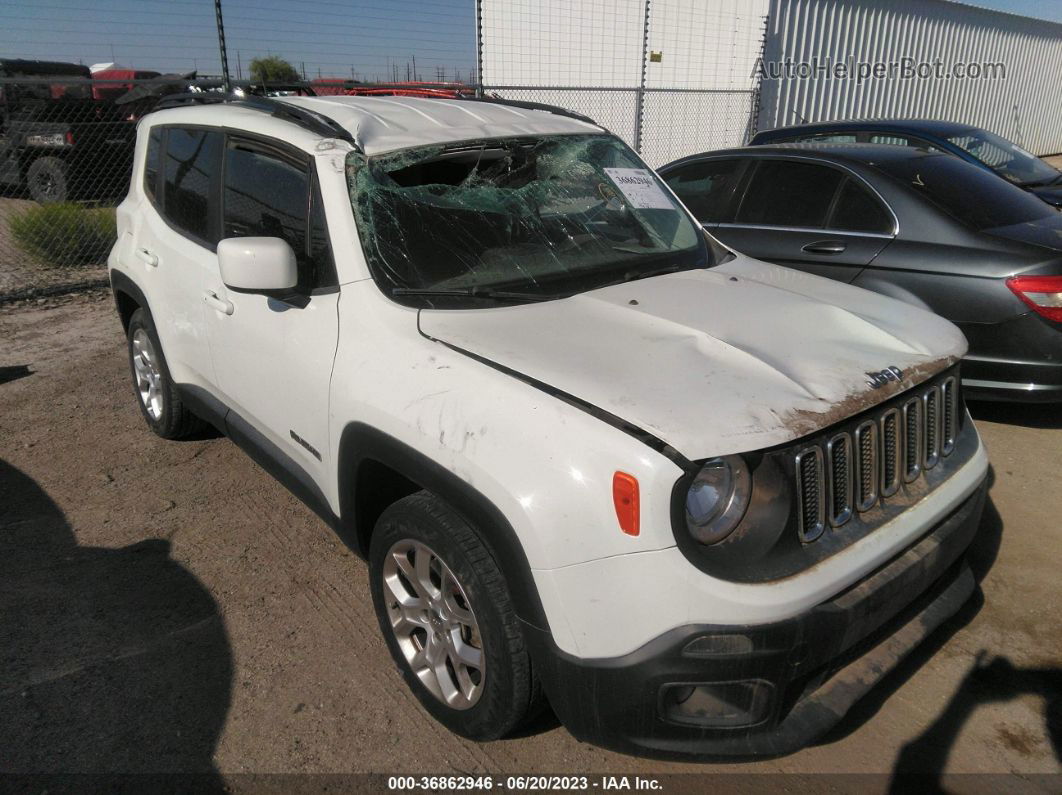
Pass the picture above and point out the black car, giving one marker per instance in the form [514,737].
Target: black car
[972,144]
[56,141]
[918,225]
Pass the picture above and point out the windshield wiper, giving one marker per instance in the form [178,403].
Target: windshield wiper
[472,292]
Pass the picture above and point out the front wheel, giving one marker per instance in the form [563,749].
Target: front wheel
[447,616]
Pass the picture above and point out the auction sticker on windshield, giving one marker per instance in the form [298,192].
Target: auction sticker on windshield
[641,190]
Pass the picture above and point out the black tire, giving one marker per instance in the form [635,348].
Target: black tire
[46,180]
[175,420]
[511,693]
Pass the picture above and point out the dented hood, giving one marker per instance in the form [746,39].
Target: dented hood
[736,358]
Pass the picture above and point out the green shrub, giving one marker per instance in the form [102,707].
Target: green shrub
[66,235]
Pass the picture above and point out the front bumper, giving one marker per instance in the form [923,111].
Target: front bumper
[810,669]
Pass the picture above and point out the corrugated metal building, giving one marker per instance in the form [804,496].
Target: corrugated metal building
[679,76]
[1023,104]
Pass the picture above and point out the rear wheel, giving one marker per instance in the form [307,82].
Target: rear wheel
[46,180]
[157,395]
[447,616]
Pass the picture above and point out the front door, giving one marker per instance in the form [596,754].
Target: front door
[273,353]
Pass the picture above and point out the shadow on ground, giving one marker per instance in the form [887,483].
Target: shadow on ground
[922,760]
[14,372]
[111,660]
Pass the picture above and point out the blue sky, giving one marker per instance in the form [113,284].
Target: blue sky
[373,39]
[368,36]
[1043,9]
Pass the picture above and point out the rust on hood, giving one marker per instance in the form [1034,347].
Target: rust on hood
[806,421]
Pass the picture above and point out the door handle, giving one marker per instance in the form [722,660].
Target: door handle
[825,247]
[149,259]
[220,304]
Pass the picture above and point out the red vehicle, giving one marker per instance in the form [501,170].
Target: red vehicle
[108,83]
[333,86]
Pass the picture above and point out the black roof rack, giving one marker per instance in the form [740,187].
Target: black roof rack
[307,119]
[519,103]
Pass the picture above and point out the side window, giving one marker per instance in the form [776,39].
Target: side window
[789,193]
[190,162]
[704,187]
[151,162]
[829,138]
[268,194]
[857,210]
[890,139]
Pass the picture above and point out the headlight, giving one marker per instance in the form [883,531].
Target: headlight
[717,499]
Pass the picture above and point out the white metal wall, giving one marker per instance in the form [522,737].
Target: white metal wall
[1026,106]
[671,77]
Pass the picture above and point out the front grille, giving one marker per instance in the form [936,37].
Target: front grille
[811,493]
[851,472]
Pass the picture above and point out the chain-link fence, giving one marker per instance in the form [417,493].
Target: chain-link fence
[662,124]
[66,153]
[670,77]
[66,156]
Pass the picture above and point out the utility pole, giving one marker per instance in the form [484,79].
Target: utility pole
[415,67]
[221,48]
[239,65]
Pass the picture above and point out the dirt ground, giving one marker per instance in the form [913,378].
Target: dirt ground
[167,606]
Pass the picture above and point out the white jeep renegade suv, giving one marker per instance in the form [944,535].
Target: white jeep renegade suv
[698,502]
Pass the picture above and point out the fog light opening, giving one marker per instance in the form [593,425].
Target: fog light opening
[721,705]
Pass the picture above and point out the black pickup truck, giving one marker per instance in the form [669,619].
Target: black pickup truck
[56,141]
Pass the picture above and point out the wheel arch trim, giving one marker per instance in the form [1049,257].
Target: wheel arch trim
[122,284]
[361,443]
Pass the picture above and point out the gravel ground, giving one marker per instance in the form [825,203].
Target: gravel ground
[167,606]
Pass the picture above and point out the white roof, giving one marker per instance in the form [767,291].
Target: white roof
[383,124]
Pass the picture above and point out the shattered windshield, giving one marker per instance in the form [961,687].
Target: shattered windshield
[516,219]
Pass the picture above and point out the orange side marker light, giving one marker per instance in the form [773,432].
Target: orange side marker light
[625,496]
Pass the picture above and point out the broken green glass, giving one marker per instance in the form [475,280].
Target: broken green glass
[547,215]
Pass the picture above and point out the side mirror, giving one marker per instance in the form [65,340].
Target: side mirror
[257,263]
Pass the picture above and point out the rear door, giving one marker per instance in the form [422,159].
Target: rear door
[174,243]
[809,215]
[273,353]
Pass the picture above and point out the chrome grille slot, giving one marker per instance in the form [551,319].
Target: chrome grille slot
[839,478]
[931,402]
[891,452]
[912,432]
[949,415]
[866,446]
[811,493]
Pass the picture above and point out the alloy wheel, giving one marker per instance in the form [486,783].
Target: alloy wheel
[434,624]
[148,375]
